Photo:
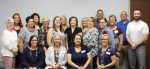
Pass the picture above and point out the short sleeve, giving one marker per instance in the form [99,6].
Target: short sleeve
[145,29]
[119,31]
[22,33]
[70,50]
[112,52]
[128,28]
[87,49]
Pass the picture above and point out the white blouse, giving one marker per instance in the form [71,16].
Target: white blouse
[50,58]
[9,41]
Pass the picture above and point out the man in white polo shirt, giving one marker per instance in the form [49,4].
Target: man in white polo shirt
[137,35]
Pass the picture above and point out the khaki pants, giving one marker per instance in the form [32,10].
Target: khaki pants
[123,63]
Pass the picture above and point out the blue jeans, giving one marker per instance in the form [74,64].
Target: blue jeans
[137,55]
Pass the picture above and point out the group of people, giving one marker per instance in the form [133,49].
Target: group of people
[98,44]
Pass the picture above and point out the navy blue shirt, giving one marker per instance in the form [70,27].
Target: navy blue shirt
[79,58]
[105,58]
[123,27]
[70,34]
[33,58]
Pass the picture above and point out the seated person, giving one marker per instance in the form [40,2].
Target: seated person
[106,58]
[78,56]
[33,56]
[56,54]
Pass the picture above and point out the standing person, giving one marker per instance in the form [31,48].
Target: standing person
[118,36]
[72,31]
[90,39]
[17,26]
[84,24]
[33,56]
[104,29]
[42,33]
[17,22]
[64,23]
[78,56]
[36,18]
[100,15]
[106,58]
[56,54]
[124,50]
[9,45]
[25,33]
[137,35]
[57,29]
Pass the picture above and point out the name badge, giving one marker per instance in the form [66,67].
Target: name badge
[83,51]
[108,53]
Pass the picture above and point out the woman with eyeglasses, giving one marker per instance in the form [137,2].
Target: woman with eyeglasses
[33,56]
[106,58]
[42,33]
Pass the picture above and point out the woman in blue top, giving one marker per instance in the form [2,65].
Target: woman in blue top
[78,56]
[106,58]
[33,57]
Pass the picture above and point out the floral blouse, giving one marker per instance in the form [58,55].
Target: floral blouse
[90,39]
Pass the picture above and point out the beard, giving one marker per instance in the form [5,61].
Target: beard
[136,18]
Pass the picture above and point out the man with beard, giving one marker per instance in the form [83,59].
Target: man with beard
[137,34]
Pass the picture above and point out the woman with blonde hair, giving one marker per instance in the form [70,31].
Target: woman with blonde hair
[56,54]
[42,33]
[106,58]
[84,24]
[63,22]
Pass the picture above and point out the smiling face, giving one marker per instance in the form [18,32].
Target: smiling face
[36,19]
[46,21]
[90,23]
[102,23]
[10,24]
[77,40]
[34,42]
[84,22]
[16,19]
[112,20]
[57,21]
[73,22]
[57,40]
[63,20]
[123,16]
[100,14]
[105,40]
[30,23]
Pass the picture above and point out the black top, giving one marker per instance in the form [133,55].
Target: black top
[42,35]
[33,58]
[79,58]
[105,58]
[71,34]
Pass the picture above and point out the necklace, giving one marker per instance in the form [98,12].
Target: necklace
[31,55]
